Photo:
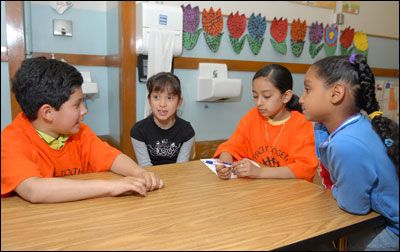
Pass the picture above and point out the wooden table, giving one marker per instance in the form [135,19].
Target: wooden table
[195,211]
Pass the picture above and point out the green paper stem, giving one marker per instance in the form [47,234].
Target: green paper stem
[255,44]
[213,42]
[280,47]
[345,51]
[237,44]
[314,49]
[297,48]
[330,50]
[361,52]
[189,40]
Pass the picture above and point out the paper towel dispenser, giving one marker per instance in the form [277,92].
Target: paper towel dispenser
[213,83]
[157,17]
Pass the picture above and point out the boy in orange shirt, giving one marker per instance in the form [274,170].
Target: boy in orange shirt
[49,141]
[274,133]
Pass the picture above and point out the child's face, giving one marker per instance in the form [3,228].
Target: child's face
[268,98]
[164,105]
[68,118]
[315,98]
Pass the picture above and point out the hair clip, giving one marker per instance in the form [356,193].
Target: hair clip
[352,58]
[388,142]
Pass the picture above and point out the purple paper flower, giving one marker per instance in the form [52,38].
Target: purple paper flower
[191,18]
[316,32]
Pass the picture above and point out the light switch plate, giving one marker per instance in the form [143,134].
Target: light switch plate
[62,27]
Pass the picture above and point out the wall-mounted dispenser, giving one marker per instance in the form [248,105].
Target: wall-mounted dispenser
[88,87]
[62,27]
[213,83]
[157,17]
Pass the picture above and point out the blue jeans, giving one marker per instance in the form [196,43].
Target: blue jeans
[377,239]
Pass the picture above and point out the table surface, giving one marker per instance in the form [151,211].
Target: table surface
[194,211]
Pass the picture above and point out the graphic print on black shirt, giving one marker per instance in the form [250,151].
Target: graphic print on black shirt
[163,145]
[164,149]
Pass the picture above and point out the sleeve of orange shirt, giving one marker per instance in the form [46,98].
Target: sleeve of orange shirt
[16,162]
[303,152]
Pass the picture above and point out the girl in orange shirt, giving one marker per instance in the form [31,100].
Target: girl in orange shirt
[274,134]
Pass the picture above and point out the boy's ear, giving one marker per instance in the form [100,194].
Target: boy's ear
[338,92]
[180,101]
[46,112]
[287,96]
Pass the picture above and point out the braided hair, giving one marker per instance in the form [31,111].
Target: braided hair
[358,74]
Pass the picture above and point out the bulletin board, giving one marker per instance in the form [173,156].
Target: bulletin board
[387,94]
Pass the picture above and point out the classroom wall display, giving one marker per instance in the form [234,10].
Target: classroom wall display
[191,21]
[298,33]
[387,94]
[330,37]
[256,28]
[346,41]
[315,34]
[213,22]
[236,26]
[278,31]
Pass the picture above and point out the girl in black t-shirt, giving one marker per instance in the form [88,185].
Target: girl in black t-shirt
[162,137]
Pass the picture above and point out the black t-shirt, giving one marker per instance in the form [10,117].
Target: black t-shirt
[163,145]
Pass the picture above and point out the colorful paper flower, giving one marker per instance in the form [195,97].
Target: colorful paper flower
[213,23]
[331,35]
[191,21]
[298,33]
[298,30]
[330,38]
[236,26]
[361,41]
[315,34]
[191,18]
[278,31]
[346,40]
[256,28]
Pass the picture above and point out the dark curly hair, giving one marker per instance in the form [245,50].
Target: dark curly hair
[282,79]
[358,74]
[42,81]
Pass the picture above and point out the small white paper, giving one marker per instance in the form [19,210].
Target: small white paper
[211,166]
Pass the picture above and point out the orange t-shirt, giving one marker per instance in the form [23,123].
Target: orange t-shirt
[294,148]
[24,154]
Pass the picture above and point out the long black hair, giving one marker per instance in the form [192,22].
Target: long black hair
[355,71]
[282,79]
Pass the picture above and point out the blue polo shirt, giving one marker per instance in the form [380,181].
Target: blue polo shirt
[363,175]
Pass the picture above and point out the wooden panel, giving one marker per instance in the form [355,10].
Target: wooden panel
[113,61]
[253,66]
[15,44]
[109,140]
[127,91]
[75,59]
[206,149]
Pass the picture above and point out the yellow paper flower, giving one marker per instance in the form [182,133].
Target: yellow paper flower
[361,41]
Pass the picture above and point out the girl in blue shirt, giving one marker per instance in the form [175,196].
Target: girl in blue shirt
[360,152]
